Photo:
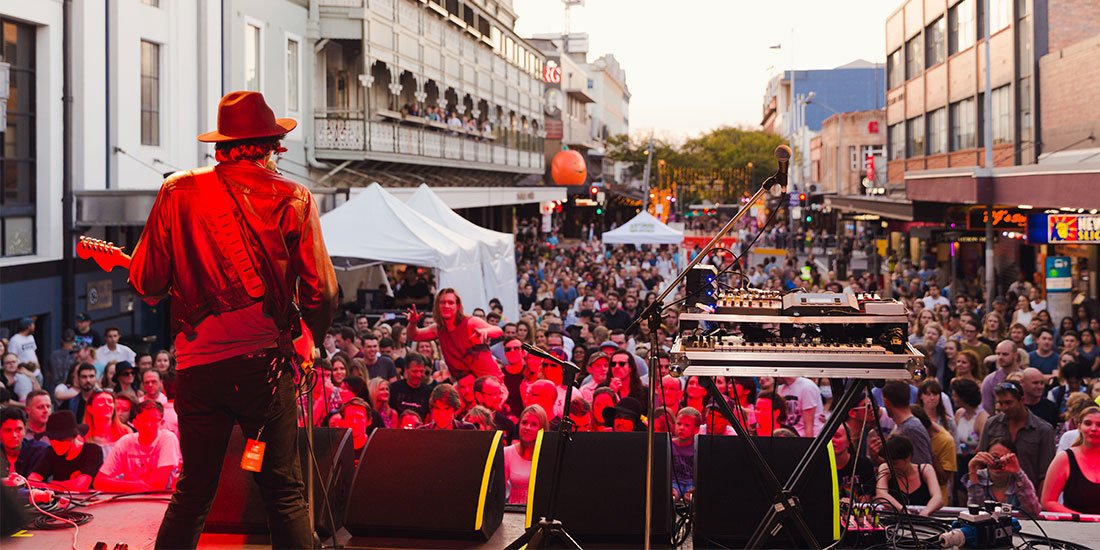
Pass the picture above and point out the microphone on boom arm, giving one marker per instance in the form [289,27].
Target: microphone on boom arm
[783,158]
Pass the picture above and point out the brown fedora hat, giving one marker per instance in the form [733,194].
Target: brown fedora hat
[245,115]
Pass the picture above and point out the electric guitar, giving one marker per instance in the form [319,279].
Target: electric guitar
[108,256]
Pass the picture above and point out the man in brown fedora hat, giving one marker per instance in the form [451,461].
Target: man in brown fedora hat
[239,250]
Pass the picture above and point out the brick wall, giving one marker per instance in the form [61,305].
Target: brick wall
[1069,95]
[1071,21]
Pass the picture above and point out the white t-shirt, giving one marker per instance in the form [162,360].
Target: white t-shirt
[129,459]
[104,355]
[24,347]
[931,303]
[802,395]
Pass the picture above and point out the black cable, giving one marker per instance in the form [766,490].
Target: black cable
[47,523]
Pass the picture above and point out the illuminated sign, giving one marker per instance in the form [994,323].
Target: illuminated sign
[1003,218]
[551,72]
[1064,228]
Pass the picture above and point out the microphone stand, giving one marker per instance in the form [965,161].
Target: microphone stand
[652,313]
[549,532]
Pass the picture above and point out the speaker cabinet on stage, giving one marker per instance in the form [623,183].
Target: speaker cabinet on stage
[238,506]
[601,493]
[429,484]
[731,498]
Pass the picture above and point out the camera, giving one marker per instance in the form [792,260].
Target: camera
[998,464]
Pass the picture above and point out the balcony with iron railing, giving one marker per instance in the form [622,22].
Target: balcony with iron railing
[350,135]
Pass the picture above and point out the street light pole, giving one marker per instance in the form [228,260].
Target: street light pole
[645,174]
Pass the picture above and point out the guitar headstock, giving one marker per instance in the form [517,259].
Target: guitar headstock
[106,254]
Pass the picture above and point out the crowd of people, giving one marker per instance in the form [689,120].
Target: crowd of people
[1006,411]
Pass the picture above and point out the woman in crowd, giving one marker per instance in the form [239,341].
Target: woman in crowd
[124,379]
[106,381]
[951,348]
[902,483]
[165,362]
[996,475]
[379,391]
[1082,317]
[126,404]
[1089,351]
[104,425]
[1075,474]
[430,353]
[602,399]
[695,394]
[931,396]
[400,339]
[525,331]
[1023,313]
[480,417]
[970,419]
[1076,403]
[1067,325]
[517,456]
[968,367]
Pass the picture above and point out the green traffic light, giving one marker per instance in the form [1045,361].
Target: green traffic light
[599,211]
[809,218]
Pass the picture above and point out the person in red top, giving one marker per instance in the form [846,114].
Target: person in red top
[239,249]
[463,340]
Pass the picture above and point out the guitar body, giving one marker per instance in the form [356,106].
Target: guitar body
[108,256]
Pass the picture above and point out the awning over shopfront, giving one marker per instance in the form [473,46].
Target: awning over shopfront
[1035,185]
[895,209]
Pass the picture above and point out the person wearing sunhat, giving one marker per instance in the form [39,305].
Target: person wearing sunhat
[626,416]
[71,463]
[238,248]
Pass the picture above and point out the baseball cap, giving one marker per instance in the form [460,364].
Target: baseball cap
[83,316]
[609,344]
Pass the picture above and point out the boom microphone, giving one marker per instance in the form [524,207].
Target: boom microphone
[783,158]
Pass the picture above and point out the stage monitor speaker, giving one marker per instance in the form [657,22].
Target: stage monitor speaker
[731,499]
[12,516]
[601,492]
[238,507]
[429,484]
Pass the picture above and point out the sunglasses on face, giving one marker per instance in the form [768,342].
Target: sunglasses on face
[620,363]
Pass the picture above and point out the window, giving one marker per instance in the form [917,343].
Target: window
[293,48]
[1024,101]
[937,131]
[895,70]
[454,8]
[914,128]
[468,16]
[1002,115]
[935,39]
[252,49]
[896,133]
[963,29]
[483,26]
[497,40]
[1000,14]
[150,93]
[963,125]
[914,57]
[18,172]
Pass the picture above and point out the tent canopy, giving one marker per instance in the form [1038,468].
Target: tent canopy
[374,225]
[643,229]
[497,249]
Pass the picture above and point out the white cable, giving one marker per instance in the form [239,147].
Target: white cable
[30,493]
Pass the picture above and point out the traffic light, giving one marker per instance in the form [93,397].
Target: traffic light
[802,198]
[599,210]
[809,218]
[594,191]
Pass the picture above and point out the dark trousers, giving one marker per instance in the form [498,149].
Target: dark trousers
[209,400]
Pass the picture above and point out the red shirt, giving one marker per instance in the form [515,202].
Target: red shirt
[463,354]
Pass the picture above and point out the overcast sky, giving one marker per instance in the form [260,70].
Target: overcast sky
[694,65]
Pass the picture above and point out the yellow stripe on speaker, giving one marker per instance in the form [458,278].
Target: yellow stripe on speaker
[485,481]
[836,492]
[531,482]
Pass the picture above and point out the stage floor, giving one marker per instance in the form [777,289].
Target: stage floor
[135,523]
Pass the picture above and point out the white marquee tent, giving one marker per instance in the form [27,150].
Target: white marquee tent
[643,229]
[498,257]
[375,225]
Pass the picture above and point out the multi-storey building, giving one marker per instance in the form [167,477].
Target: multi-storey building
[611,110]
[936,112]
[817,94]
[435,91]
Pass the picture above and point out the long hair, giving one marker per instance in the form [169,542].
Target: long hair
[459,313]
[932,386]
[373,387]
[117,428]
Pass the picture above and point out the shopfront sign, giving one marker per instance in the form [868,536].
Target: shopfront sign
[1003,218]
[1063,228]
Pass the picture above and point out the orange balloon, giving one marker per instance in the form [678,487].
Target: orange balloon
[568,168]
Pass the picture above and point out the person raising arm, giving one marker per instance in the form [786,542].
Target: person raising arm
[463,340]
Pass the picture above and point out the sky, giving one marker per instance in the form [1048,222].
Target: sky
[695,65]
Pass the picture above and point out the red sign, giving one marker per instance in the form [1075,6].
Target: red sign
[551,72]
[872,127]
[554,128]
[871,167]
